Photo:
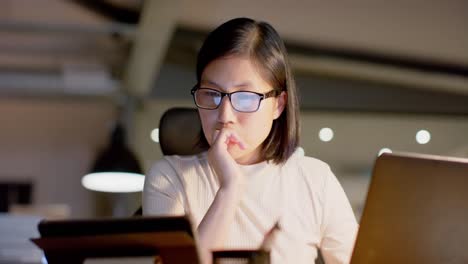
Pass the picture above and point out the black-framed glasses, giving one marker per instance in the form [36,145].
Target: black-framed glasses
[241,101]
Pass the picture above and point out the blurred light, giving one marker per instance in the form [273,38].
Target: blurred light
[385,150]
[116,182]
[155,135]
[116,168]
[300,151]
[326,134]
[423,136]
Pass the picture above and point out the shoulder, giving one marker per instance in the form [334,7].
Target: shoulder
[312,172]
[176,165]
[308,166]
[311,165]
[175,162]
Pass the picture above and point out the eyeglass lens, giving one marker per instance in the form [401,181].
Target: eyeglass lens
[241,101]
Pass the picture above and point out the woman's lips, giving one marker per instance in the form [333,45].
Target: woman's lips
[231,140]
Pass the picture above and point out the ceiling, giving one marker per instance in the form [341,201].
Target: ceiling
[433,30]
[396,42]
[366,57]
[428,30]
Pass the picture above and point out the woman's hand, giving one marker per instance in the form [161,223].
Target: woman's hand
[220,157]
[214,227]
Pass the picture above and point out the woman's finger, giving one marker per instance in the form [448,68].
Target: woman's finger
[229,138]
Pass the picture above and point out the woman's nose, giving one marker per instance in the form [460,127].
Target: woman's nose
[225,111]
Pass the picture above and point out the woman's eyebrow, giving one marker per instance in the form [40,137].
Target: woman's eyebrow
[243,84]
[209,82]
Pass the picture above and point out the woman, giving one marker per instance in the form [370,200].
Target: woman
[253,175]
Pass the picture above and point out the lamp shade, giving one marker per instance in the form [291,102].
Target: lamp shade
[116,168]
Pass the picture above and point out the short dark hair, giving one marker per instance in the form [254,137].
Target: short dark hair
[260,42]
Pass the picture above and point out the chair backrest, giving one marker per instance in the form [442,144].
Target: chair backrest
[179,131]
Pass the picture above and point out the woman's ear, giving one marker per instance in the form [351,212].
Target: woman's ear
[281,102]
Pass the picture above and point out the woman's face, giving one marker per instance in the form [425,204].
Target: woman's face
[231,74]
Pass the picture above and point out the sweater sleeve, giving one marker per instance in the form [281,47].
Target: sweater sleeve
[162,192]
[339,226]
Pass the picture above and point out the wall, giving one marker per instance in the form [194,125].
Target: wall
[53,142]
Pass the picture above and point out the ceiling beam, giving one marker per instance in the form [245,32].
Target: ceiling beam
[157,24]
[108,9]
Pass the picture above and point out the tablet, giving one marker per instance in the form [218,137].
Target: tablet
[107,226]
[67,241]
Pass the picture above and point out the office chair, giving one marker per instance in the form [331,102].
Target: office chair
[179,131]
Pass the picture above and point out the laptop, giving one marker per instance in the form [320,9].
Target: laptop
[416,211]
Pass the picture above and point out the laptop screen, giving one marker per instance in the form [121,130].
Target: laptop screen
[416,211]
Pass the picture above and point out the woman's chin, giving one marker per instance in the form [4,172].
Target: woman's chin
[235,152]
[243,157]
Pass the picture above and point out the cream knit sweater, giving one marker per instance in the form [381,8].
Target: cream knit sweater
[303,195]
